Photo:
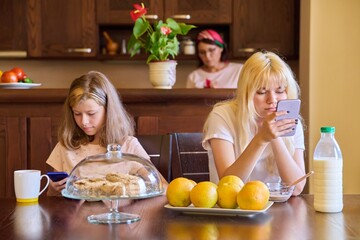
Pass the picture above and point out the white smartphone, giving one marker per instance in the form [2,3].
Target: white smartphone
[292,106]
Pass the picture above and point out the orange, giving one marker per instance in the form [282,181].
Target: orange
[227,195]
[178,192]
[204,194]
[231,179]
[253,196]
[205,231]
[178,231]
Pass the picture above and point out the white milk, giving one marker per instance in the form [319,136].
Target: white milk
[328,196]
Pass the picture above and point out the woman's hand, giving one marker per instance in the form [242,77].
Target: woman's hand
[270,128]
[56,187]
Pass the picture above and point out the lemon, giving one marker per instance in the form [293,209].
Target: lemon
[178,192]
[227,195]
[231,179]
[253,196]
[204,194]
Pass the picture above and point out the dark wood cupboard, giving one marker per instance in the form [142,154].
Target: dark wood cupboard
[261,24]
[194,12]
[61,28]
[13,35]
[73,29]
[118,11]
[200,11]
[246,25]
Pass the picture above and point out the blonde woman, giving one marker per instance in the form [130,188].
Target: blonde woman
[93,117]
[242,135]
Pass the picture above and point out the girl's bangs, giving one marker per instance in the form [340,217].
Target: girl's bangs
[270,78]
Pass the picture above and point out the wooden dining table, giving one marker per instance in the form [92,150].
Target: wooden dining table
[62,218]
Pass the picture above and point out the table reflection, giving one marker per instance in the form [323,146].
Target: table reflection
[60,218]
[30,219]
[252,228]
[334,230]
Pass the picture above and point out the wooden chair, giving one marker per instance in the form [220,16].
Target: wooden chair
[189,159]
[158,147]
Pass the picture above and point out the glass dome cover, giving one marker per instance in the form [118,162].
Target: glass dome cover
[114,175]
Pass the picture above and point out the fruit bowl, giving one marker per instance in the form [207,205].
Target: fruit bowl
[279,192]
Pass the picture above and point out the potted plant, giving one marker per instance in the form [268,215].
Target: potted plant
[159,42]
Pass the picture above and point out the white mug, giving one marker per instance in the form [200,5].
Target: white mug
[27,185]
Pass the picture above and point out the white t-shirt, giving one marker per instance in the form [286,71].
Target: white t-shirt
[225,78]
[221,124]
[64,160]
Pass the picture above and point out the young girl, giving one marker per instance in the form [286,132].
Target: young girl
[93,117]
[242,135]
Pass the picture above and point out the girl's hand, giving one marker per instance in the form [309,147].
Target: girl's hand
[271,128]
[56,187]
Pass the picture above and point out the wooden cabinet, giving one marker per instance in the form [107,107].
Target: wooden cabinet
[25,143]
[114,18]
[189,11]
[200,11]
[261,24]
[12,151]
[118,11]
[13,36]
[62,28]
[73,29]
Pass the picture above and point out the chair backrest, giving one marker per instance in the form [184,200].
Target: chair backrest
[158,147]
[189,159]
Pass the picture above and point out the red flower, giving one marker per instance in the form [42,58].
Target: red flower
[165,30]
[139,11]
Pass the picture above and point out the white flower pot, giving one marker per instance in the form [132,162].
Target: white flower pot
[162,74]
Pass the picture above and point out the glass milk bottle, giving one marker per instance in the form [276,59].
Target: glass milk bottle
[328,164]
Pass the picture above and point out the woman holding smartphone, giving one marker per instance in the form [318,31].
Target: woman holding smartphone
[243,135]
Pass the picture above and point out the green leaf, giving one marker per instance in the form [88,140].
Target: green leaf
[173,25]
[140,27]
[185,28]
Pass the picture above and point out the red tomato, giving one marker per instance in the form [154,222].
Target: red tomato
[19,73]
[9,77]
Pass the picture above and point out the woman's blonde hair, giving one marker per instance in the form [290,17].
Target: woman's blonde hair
[118,124]
[261,70]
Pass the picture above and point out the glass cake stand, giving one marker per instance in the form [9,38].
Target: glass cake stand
[113,176]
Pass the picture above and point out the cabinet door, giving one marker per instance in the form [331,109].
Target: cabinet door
[118,11]
[262,24]
[13,27]
[62,28]
[200,11]
[40,142]
[13,152]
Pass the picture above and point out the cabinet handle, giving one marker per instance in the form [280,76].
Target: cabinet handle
[14,54]
[246,50]
[79,50]
[152,16]
[181,16]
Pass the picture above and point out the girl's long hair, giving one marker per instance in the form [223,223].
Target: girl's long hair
[261,70]
[118,124]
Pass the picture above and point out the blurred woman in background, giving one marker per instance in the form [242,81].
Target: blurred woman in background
[215,70]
